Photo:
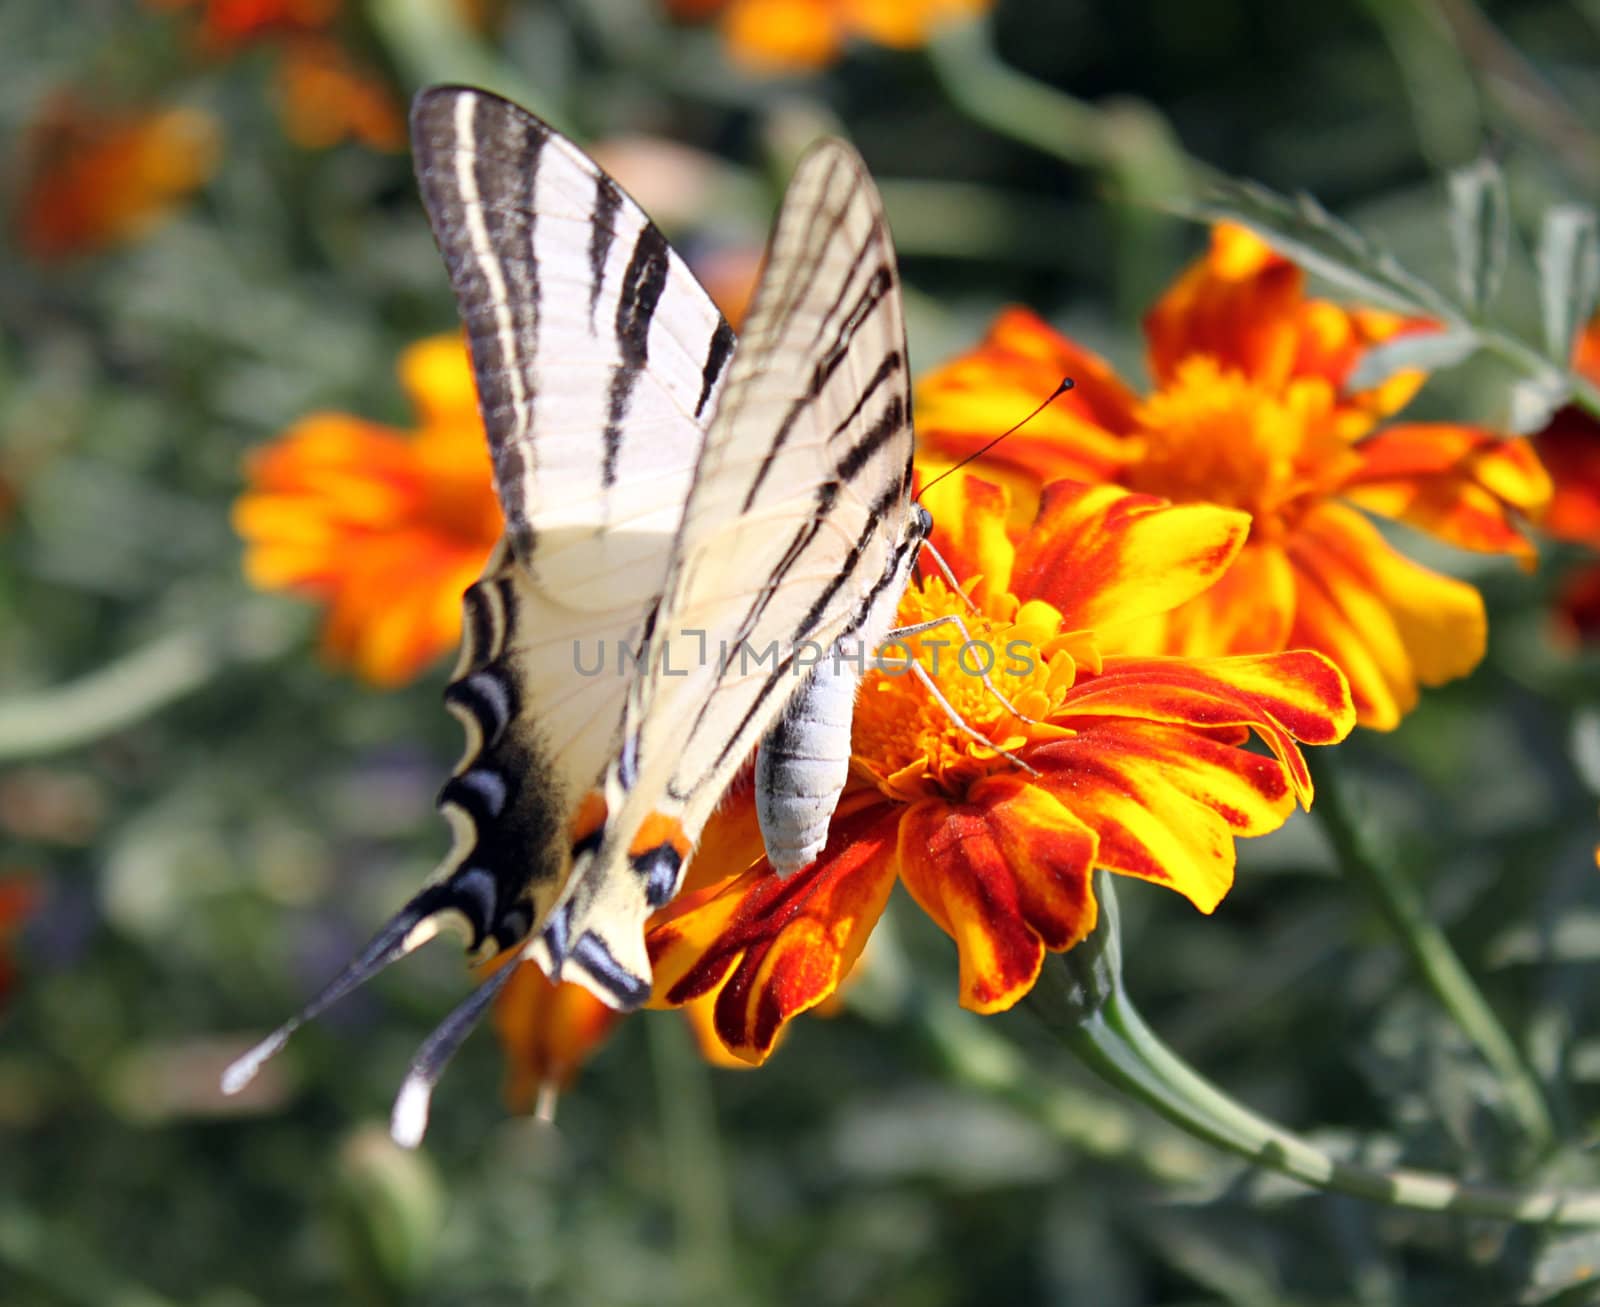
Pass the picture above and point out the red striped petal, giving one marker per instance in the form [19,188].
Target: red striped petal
[1007,877]
[1099,554]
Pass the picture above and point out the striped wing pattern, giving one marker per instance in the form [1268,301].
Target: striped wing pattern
[798,521]
[599,362]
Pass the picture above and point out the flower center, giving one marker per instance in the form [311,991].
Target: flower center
[1213,434]
[913,746]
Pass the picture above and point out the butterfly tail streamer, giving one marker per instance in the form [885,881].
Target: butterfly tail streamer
[409,1120]
[410,928]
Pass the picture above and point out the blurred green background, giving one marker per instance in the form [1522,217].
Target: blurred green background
[209,819]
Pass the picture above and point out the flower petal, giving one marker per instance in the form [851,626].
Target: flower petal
[1165,802]
[1460,484]
[1239,304]
[1244,305]
[969,529]
[436,374]
[1577,607]
[1006,876]
[385,527]
[1283,697]
[966,403]
[547,1031]
[1101,555]
[770,947]
[1386,622]
[1570,450]
[1249,610]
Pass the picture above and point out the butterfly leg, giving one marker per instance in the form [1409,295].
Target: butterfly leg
[949,576]
[951,619]
[960,722]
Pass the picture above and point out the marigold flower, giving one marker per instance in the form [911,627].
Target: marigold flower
[801,34]
[1251,408]
[387,528]
[1134,764]
[97,179]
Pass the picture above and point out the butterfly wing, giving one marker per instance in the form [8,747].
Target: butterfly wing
[598,360]
[798,519]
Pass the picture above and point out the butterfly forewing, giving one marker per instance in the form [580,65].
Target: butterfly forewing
[599,361]
[798,518]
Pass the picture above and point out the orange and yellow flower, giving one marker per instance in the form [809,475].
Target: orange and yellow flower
[386,528]
[1130,763]
[1251,408]
[794,35]
[95,178]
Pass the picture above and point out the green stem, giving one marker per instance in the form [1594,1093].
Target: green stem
[698,1187]
[1430,950]
[137,685]
[1118,1045]
[1081,999]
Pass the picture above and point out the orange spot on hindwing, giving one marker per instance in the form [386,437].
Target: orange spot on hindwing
[657,855]
[588,823]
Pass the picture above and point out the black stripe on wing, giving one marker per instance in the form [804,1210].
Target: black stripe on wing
[642,284]
[508,853]
[477,165]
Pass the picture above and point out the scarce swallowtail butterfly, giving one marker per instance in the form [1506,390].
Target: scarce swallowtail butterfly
[739,517]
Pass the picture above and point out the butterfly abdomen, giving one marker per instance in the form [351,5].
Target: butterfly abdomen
[803,763]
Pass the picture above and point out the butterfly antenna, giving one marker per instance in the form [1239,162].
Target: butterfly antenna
[1057,393]
[410,928]
[409,1120]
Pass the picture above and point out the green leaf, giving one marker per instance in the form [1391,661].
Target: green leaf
[1428,350]
[1569,276]
[1480,229]
[1302,230]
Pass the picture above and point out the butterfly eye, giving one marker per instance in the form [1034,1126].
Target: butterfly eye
[924,521]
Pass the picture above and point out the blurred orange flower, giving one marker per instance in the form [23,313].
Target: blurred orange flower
[324,98]
[324,94]
[96,178]
[387,528]
[1251,408]
[1137,765]
[549,1032]
[225,25]
[1570,448]
[787,35]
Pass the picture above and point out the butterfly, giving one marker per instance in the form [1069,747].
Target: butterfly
[733,519]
